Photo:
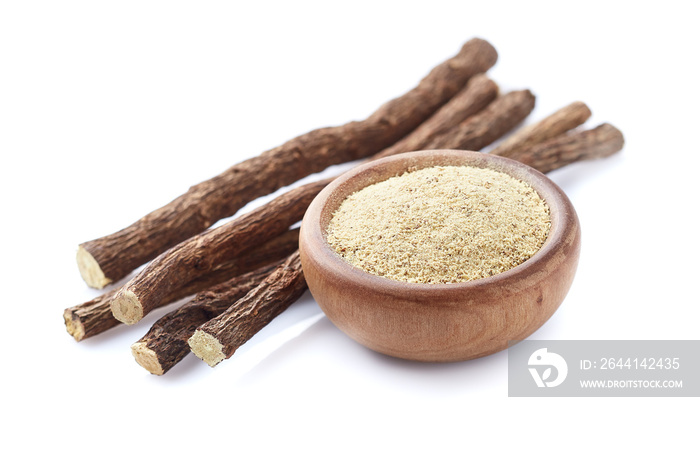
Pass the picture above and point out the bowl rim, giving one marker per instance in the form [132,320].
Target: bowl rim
[562,214]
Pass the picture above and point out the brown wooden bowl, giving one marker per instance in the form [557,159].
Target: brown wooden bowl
[439,322]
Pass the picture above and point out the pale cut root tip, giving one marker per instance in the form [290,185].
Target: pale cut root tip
[126,308]
[90,270]
[74,327]
[147,358]
[207,348]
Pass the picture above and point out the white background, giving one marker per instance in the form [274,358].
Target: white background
[110,110]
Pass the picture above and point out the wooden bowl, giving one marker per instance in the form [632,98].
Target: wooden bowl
[439,322]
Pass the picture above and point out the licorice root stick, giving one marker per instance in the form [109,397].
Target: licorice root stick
[599,142]
[487,126]
[563,120]
[218,338]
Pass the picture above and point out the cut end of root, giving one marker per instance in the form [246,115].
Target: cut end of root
[73,325]
[126,308]
[90,270]
[147,358]
[206,347]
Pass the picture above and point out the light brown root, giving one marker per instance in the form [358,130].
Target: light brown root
[90,270]
[127,308]
[206,347]
[146,358]
[73,325]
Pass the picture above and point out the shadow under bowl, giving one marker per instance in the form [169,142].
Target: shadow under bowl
[439,322]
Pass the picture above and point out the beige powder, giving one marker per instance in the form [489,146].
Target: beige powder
[443,224]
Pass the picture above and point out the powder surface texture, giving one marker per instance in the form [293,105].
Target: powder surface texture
[442,224]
